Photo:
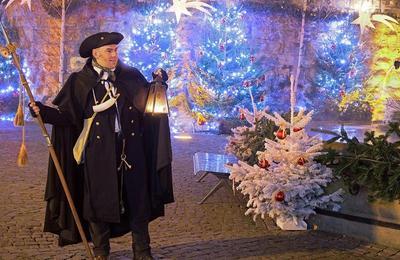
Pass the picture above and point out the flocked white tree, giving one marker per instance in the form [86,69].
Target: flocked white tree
[287,184]
[247,139]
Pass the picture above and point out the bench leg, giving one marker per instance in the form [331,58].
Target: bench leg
[202,176]
[211,192]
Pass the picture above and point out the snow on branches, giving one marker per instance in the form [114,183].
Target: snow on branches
[286,183]
[247,140]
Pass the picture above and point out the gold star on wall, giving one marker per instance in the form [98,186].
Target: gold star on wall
[366,17]
[28,2]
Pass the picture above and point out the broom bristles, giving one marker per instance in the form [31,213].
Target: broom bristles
[19,117]
[22,156]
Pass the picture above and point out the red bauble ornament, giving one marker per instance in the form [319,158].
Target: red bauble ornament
[252,58]
[352,72]
[281,134]
[262,98]
[342,93]
[263,163]
[333,47]
[201,120]
[297,129]
[280,196]
[246,83]
[301,161]
[222,47]
[242,116]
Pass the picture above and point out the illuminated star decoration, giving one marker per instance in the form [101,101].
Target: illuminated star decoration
[180,7]
[365,19]
[28,2]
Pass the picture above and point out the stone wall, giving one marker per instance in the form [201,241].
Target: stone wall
[39,38]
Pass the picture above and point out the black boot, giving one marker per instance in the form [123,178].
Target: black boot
[142,255]
[141,245]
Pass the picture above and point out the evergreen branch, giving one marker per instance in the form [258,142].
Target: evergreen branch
[373,163]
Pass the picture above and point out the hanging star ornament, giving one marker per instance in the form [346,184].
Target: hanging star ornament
[365,20]
[28,2]
[180,7]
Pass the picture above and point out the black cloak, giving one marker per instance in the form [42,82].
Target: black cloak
[152,165]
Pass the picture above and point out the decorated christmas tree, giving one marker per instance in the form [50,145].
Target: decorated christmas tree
[248,139]
[150,40]
[186,91]
[287,184]
[342,65]
[227,64]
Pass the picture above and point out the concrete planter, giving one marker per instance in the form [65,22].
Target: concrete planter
[377,221]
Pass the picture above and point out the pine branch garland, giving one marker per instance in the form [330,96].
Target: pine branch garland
[374,163]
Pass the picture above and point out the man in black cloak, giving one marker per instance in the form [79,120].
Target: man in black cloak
[123,178]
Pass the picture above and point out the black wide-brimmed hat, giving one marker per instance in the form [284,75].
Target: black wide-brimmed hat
[97,40]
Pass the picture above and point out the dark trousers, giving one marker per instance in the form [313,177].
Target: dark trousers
[100,233]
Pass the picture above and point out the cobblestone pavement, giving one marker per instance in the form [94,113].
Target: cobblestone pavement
[216,229]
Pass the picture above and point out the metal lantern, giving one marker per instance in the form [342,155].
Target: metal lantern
[157,102]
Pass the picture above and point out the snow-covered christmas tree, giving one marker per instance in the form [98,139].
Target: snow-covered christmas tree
[248,139]
[287,184]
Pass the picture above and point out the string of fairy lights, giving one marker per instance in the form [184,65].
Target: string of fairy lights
[9,81]
[341,59]
[151,40]
[227,65]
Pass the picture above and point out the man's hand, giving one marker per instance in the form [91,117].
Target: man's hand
[34,108]
[160,73]
[396,64]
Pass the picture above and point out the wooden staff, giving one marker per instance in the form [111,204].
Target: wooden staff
[12,50]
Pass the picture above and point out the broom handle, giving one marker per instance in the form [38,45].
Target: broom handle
[59,171]
[53,155]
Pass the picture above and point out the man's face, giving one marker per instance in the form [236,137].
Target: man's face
[106,56]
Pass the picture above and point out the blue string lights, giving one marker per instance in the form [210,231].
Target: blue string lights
[151,40]
[9,81]
[341,62]
[227,65]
